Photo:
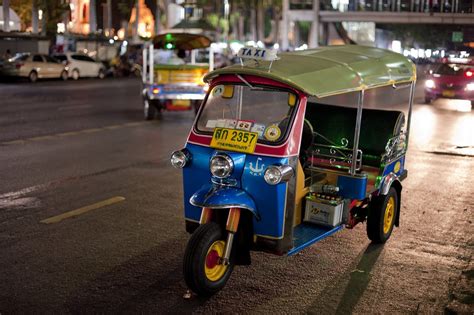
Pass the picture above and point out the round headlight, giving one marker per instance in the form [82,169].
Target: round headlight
[430,84]
[221,166]
[179,159]
[276,174]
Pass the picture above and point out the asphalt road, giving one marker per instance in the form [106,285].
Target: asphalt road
[83,146]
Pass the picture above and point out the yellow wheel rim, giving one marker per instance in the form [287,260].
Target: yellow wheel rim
[213,267]
[389,214]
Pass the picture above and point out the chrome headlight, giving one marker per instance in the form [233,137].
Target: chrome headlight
[180,158]
[221,166]
[277,174]
[430,84]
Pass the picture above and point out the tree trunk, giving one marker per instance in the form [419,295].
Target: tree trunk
[260,21]
[6,15]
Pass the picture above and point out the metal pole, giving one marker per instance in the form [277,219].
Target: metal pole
[6,15]
[145,66]
[92,17]
[284,25]
[410,104]
[137,18]
[151,54]
[314,32]
[109,16]
[157,18]
[355,148]
[34,17]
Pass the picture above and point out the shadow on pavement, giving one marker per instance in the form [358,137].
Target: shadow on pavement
[342,296]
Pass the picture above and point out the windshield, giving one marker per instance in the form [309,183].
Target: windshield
[453,69]
[258,109]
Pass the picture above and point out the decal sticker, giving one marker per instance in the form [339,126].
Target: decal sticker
[272,133]
[258,128]
[244,125]
[257,170]
[221,123]
[211,123]
[218,90]
[396,168]
[230,123]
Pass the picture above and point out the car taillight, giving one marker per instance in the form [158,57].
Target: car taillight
[19,65]
[469,74]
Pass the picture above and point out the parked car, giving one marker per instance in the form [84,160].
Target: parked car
[450,80]
[34,67]
[81,65]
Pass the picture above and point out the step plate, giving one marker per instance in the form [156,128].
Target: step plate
[306,234]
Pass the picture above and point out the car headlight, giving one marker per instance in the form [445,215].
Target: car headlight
[180,158]
[277,174]
[221,166]
[429,84]
[470,87]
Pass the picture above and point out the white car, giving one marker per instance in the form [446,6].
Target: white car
[81,65]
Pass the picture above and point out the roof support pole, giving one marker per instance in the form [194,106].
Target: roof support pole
[92,17]
[410,104]
[355,148]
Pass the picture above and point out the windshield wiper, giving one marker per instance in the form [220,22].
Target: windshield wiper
[248,84]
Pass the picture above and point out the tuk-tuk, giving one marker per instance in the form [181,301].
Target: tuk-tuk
[284,152]
[175,83]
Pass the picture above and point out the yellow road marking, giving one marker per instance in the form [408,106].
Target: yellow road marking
[82,210]
[15,142]
[91,130]
[40,138]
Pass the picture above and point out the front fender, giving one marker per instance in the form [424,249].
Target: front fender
[213,197]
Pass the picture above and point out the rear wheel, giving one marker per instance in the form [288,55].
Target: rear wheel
[101,74]
[64,75]
[381,218]
[33,76]
[203,270]
[149,110]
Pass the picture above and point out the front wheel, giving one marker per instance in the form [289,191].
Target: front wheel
[64,75]
[381,218]
[203,269]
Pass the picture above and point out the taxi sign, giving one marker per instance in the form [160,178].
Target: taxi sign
[234,140]
[257,53]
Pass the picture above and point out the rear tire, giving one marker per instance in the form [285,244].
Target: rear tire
[64,75]
[33,76]
[202,272]
[101,74]
[149,110]
[382,214]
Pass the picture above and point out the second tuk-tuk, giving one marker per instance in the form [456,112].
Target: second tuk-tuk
[175,81]
[285,152]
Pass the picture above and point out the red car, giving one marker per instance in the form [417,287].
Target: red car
[451,80]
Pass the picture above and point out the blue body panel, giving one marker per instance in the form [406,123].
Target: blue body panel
[306,234]
[352,187]
[197,90]
[251,189]
[390,168]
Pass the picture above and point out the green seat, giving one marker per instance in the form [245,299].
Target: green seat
[336,123]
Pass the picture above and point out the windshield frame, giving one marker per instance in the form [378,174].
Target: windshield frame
[293,110]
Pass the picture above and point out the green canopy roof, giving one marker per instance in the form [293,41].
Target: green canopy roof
[330,70]
[186,41]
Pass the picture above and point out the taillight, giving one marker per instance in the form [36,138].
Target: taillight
[19,65]
[469,73]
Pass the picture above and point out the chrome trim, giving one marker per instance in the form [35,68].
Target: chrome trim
[225,157]
[387,183]
[227,182]
[226,206]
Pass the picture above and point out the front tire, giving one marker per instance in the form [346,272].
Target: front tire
[382,213]
[75,74]
[203,272]
[33,76]
[101,74]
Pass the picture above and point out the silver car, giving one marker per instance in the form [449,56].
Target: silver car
[81,65]
[34,67]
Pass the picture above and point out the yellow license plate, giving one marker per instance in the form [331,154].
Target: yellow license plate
[234,140]
[182,102]
[448,93]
